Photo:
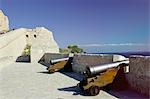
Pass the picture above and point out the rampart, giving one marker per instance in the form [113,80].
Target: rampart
[12,43]
[40,39]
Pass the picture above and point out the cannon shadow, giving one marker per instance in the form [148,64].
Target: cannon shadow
[76,90]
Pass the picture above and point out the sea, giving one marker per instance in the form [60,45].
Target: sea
[127,54]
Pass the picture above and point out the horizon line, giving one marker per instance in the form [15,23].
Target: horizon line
[114,44]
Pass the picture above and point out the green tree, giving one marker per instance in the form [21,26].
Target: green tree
[75,49]
[71,49]
[26,51]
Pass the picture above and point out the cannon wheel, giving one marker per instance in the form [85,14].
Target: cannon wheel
[94,90]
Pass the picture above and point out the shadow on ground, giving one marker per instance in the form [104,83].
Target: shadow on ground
[44,72]
[76,90]
[121,94]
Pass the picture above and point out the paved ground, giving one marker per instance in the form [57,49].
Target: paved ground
[30,81]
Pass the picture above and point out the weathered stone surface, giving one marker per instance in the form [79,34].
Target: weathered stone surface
[80,61]
[139,75]
[41,41]
[26,81]
[12,43]
[4,22]
[41,36]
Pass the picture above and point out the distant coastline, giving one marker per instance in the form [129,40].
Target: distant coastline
[127,54]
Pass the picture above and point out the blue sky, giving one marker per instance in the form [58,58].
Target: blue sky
[95,25]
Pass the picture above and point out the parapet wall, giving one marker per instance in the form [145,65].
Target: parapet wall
[139,75]
[50,56]
[80,61]
[12,43]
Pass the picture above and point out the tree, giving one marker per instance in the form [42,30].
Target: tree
[75,49]
[26,51]
[71,49]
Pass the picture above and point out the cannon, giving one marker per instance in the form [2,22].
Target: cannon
[97,77]
[58,64]
[100,68]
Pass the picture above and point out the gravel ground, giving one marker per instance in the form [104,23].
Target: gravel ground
[30,81]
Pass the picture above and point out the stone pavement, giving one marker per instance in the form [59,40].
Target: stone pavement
[31,81]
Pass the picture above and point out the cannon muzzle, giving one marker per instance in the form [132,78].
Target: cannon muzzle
[100,68]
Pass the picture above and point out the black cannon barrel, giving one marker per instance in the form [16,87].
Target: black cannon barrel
[100,68]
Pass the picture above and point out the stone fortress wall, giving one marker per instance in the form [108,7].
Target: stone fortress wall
[139,76]
[41,41]
[12,43]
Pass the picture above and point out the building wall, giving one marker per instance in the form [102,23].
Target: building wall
[12,43]
[38,52]
[80,61]
[40,36]
[139,75]
[41,41]
[4,22]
